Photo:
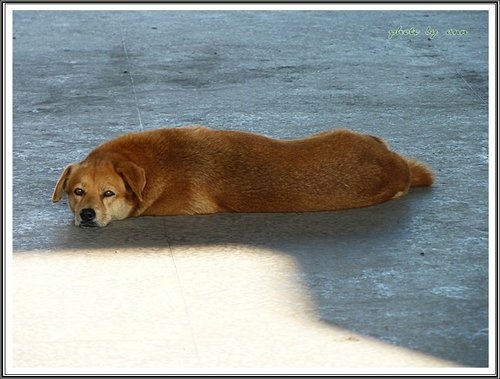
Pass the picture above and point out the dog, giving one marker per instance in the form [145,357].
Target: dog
[198,170]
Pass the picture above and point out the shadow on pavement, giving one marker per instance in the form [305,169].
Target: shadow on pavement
[366,270]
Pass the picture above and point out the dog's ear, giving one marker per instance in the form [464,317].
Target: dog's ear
[134,176]
[61,183]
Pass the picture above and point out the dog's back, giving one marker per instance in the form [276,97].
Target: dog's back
[333,170]
[244,172]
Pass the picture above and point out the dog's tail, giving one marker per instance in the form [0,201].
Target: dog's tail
[421,175]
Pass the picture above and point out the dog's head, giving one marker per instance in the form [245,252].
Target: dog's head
[101,191]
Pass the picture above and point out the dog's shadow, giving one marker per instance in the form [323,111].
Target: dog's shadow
[348,228]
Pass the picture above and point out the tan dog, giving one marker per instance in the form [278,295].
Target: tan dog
[197,170]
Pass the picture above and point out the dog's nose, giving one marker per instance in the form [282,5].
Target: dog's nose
[87,214]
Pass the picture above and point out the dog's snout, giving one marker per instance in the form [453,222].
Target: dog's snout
[87,215]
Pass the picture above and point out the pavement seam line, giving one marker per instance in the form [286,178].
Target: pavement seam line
[184,302]
[446,60]
[124,46]
[470,87]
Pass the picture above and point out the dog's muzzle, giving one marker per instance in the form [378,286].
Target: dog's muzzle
[87,215]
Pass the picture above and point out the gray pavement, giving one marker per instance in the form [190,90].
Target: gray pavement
[412,273]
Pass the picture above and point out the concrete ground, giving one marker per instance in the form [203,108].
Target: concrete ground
[402,285]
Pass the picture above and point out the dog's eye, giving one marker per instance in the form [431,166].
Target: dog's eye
[109,194]
[78,192]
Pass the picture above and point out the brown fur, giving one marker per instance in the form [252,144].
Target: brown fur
[197,170]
